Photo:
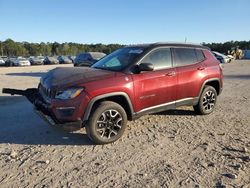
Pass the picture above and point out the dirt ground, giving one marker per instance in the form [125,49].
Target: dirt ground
[171,149]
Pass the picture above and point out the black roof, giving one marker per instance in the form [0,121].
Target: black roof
[159,44]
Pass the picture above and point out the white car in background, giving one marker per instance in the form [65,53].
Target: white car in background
[221,57]
[2,62]
[20,61]
[231,57]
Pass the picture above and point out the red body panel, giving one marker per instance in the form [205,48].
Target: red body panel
[154,88]
[190,79]
[147,89]
[79,104]
[213,70]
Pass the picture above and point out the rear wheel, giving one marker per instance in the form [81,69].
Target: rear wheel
[107,123]
[207,101]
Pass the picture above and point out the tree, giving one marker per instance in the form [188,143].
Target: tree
[45,49]
[11,48]
[54,48]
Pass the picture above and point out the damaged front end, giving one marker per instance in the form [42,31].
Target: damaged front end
[43,108]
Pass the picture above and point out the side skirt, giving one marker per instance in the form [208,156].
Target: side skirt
[166,106]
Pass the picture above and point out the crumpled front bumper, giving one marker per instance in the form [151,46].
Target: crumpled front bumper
[43,109]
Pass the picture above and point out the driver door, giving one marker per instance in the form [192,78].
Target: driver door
[157,88]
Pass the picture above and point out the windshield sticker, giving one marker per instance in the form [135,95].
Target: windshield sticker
[136,51]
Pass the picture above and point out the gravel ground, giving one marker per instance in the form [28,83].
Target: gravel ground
[170,149]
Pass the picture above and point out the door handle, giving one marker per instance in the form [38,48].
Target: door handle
[172,73]
[200,68]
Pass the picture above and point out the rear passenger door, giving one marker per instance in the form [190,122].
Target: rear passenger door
[189,69]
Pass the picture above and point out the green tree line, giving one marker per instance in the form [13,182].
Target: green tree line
[12,48]
[228,46]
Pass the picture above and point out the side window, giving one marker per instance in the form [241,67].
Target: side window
[184,56]
[81,56]
[199,54]
[160,58]
[88,57]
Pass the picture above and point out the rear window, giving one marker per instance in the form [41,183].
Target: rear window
[184,56]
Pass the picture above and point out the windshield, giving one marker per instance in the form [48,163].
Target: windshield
[119,59]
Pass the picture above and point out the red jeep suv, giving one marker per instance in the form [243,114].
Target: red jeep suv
[126,84]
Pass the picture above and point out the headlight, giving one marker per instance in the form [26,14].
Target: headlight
[69,93]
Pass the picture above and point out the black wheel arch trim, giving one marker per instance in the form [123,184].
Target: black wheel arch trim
[210,80]
[103,96]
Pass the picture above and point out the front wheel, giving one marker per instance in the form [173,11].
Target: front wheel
[207,101]
[107,123]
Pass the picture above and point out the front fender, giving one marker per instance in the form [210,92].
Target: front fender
[100,97]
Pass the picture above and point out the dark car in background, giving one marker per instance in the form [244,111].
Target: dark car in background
[64,60]
[36,60]
[88,58]
[10,61]
[50,60]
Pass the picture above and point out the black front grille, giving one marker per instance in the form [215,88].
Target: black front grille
[49,93]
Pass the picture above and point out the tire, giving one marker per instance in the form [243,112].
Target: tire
[207,101]
[107,123]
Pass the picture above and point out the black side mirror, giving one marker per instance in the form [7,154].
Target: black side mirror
[146,67]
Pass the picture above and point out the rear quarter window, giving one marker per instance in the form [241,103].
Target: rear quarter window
[199,54]
[184,56]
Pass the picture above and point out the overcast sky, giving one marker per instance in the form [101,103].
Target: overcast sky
[125,22]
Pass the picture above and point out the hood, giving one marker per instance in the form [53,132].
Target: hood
[66,76]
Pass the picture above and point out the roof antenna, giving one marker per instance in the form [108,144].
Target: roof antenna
[185,39]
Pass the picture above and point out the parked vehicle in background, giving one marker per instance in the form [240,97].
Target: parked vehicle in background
[64,60]
[21,61]
[4,58]
[72,58]
[126,84]
[2,62]
[36,60]
[221,57]
[88,58]
[41,57]
[237,52]
[10,61]
[231,57]
[50,60]
[246,54]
